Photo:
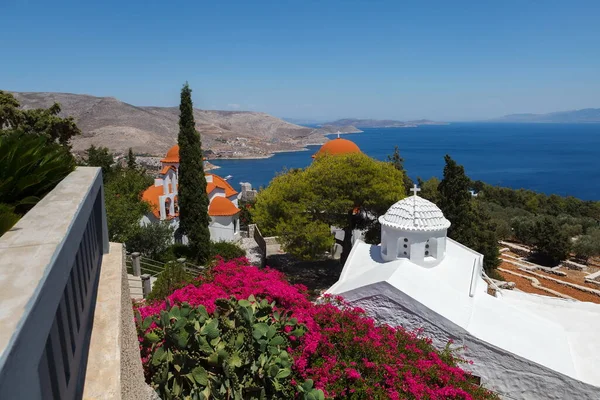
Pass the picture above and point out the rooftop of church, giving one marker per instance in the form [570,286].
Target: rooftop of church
[415,213]
[338,146]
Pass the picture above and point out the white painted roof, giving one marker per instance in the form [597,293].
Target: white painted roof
[524,324]
[415,213]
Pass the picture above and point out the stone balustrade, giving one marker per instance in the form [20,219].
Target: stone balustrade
[51,263]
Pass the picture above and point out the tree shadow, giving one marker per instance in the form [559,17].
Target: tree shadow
[317,276]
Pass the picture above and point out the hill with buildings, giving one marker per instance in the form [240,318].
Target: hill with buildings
[109,122]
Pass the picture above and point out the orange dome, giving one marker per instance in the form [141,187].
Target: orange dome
[338,146]
[172,155]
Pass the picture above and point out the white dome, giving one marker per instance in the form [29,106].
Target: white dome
[414,213]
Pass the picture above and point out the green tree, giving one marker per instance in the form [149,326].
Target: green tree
[131,163]
[484,238]
[99,157]
[471,224]
[40,121]
[124,204]
[524,229]
[429,189]
[151,240]
[10,115]
[346,191]
[552,244]
[455,201]
[398,162]
[193,199]
[588,245]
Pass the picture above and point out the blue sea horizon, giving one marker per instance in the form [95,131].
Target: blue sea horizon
[548,158]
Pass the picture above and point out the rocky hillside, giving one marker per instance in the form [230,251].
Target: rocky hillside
[109,122]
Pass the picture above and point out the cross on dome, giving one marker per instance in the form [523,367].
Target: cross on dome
[415,189]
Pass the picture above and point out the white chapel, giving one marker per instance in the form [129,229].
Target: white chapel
[223,207]
[523,346]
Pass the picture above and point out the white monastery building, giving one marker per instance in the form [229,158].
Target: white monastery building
[523,346]
[223,208]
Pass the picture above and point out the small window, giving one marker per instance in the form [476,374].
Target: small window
[426,246]
[404,253]
[405,240]
[426,253]
[405,246]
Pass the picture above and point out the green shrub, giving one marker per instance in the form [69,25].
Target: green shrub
[227,250]
[173,277]
[30,167]
[151,240]
[238,352]
[7,218]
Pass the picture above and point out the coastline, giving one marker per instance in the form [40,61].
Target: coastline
[261,157]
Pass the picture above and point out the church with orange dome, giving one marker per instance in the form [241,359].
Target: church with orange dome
[337,146]
[223,207]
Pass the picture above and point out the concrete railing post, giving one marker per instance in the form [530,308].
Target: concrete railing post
[135,262]
[146,285]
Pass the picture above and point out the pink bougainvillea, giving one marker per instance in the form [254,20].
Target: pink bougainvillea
[346,353]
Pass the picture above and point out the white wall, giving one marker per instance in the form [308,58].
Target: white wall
[416,245]
[224,228]
[501,371]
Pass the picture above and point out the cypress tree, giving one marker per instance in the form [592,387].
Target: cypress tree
[398,162]
[193,199]
[455,200]
[131,159]
[471,225]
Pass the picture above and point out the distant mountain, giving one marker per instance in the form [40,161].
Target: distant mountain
[304,121]
[381,123]
[587,115]
[109,122]
[329,129]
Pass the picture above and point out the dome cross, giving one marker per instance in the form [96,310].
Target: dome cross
[415,189]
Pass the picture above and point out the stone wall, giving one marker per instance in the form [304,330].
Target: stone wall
[114,368]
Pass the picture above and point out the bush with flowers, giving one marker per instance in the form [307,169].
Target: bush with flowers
[344,352]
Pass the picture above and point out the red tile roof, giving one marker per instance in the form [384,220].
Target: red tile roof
[222,206]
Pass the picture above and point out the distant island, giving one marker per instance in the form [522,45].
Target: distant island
[329,129]
[586,115]
[380,123]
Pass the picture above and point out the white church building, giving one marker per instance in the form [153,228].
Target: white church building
[223,208]
[523,346]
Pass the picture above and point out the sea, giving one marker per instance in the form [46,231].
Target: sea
[562,159]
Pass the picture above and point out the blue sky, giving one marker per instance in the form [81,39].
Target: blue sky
[445,60]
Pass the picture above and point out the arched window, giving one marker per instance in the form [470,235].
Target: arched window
[167,206]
